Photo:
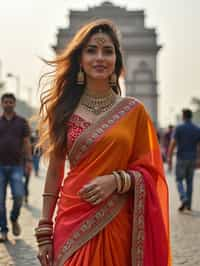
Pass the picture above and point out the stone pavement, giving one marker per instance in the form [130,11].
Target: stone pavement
[185,229]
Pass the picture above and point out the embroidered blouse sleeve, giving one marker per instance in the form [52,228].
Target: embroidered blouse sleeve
[76,126]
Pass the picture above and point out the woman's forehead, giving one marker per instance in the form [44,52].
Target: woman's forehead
[100,39]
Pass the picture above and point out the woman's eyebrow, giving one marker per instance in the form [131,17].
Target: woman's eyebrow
[91,45]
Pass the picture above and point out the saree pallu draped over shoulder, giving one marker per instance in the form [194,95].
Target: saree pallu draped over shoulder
[129,229]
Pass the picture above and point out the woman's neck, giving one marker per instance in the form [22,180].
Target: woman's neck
[97,88]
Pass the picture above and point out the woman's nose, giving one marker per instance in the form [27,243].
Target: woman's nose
[100,55]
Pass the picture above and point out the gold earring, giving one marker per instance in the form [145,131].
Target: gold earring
[80,77]
[113,80]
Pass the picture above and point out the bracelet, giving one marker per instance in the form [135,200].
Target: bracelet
[49,194]
[42,230]
[127,181]
[45,242]
[132,175]
[118,180]
[43,234]
[123,181]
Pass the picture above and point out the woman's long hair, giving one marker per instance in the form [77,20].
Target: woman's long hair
[61,99]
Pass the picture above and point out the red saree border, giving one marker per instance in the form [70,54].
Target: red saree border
[138,233]
[91,135]
[91,227]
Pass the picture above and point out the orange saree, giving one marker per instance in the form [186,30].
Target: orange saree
[129,229]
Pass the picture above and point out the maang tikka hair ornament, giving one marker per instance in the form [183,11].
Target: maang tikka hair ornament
[100,39]
[80,77]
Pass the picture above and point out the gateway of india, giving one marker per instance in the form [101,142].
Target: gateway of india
[139,45]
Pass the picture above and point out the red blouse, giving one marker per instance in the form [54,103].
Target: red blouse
[76,125]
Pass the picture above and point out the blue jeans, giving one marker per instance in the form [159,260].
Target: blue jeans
[36,163]
[185,171]
[14,176]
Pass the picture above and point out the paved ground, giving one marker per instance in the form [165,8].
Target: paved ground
[185,230]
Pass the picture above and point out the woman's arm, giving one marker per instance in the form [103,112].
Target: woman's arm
[52,186]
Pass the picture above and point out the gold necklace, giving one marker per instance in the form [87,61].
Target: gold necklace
[98,104]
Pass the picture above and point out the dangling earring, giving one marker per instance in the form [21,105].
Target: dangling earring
[113,80]
[80,77]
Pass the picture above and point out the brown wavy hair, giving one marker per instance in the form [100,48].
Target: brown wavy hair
[61,99]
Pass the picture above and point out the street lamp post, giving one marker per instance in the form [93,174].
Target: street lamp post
[17,79]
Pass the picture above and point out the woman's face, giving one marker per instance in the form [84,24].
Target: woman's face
[98,57]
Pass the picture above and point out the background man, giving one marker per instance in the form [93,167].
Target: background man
[14,142]
[186,138]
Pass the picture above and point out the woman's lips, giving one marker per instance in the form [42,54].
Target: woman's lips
[99,68]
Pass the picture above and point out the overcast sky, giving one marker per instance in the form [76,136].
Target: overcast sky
[28,29]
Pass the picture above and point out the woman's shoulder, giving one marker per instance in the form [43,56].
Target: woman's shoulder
[138,107]
[134,101]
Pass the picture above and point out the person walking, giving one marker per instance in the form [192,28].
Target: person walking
[37,153]
[113,204]
[186,138]
[14,142]
[27,176]
[166,141]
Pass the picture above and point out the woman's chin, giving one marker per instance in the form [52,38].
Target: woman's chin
[99,77]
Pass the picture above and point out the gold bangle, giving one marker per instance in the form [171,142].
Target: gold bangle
[126,181]
[42,243]
[130,181]
[118,180]
[49,194]
[46,227]
[43,231]
[122,177]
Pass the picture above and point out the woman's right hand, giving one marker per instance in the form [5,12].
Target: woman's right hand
[45,255]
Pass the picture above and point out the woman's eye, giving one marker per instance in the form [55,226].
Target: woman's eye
[90,51]
[108,52]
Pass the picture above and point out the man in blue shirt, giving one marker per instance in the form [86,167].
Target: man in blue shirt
[186,138]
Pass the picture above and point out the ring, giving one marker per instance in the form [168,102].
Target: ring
[94,198]
[97,201]
[90,193]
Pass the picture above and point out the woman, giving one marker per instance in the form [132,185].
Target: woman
[113,203]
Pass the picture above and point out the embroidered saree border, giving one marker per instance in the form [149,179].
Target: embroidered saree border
[91,227]
[93,132]
[138,221]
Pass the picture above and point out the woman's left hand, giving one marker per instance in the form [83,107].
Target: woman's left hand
[98,189]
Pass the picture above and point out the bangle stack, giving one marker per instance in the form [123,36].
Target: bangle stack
[44,232]
[123,181]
